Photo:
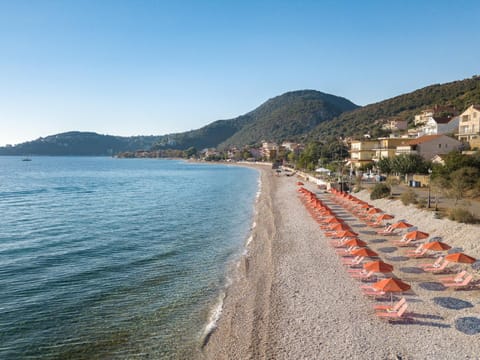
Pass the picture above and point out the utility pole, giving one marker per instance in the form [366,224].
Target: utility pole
[429,187]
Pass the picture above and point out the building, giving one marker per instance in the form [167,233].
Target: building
[437,110]
[436,125]
[395,125]
[362,152]
[428,146]
[387,147]
[469,126]
[269,150]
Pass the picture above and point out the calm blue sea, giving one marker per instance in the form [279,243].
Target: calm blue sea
[109,258]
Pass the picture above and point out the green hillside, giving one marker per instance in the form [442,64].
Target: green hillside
[368,119]
[289,115]
[80,144]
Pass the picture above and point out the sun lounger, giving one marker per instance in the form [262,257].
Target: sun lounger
[394,315]
[404,242]
[375,224]
[437,269]
[363,276]
[466,283]
[455,278]
[345,251]
[394,307]
[353,261]
[419,252]
[373,292]
[434,264]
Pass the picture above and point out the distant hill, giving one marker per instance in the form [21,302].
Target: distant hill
[298,115]
[368,119]
[80,144]
[289,115]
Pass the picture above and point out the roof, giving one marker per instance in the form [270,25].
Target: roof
[443,119]
[423,139]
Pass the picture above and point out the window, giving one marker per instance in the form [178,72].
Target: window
[439,146]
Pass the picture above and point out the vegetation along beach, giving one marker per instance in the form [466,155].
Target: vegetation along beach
[239,180]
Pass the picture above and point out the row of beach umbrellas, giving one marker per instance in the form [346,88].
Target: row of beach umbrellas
[348,245]
[375,216]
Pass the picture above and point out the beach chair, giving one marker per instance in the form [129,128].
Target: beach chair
[388,231]
[437,269]
[434,264]
[375,224]
[373,292]
[363,275]
[419,252]
[403,242]
[455,278]
[466,283]
[389,308]
[353,261]
[345,251]
[394,315]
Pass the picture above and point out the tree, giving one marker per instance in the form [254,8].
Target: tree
[191,151]
[406,164]
[385,165]
[462,181]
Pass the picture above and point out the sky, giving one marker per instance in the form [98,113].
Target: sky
[157,67]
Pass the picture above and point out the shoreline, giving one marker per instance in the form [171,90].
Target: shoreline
[291,297]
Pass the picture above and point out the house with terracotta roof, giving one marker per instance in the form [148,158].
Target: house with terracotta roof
[428,146]
[436,125]
[469,126]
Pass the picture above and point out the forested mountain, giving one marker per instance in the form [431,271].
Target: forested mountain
[368,119]
[289,115]
[81,144]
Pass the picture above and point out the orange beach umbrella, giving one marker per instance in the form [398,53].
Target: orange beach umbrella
[385,217]
[364,252]
[374,211]
[299,183]
[391,285]
[416,235]
[436,246]
[378,266]
[355,242]
[340,226]
[401,225]
[460,258]
[346,233]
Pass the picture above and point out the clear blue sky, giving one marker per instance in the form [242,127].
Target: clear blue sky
[156,67]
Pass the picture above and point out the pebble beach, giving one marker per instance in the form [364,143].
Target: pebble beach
[291,297]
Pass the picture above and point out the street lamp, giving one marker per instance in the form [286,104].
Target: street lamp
[429,175]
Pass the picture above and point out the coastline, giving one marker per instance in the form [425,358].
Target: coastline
[291,298]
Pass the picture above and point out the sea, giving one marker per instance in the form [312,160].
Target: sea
[105,258]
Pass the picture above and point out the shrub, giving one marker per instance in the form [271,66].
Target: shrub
[380,191]
[409,197]
[462,215]
[422,203]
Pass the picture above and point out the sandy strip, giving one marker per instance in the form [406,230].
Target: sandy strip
[292,299]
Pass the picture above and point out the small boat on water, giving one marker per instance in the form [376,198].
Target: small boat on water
[26,159]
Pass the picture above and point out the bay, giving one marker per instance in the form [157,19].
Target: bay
[109,258]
